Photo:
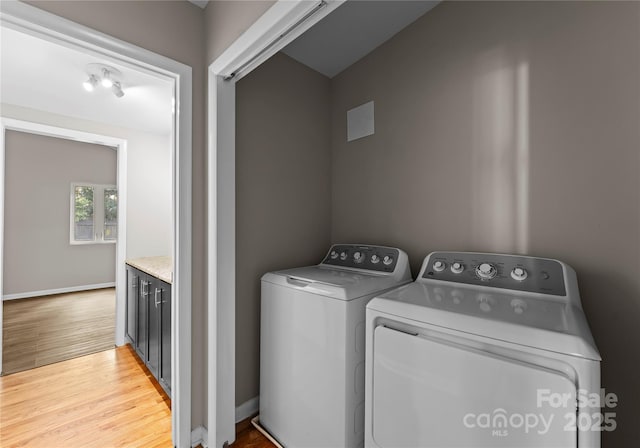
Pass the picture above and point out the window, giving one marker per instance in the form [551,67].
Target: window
[94,214]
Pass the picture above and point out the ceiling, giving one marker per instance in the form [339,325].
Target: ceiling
[41,75]
[352,31]
[50,77]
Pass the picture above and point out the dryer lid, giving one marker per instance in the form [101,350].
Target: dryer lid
[334,282]
[533,320]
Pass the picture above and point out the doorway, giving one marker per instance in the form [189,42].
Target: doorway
[32,21]
[61,244]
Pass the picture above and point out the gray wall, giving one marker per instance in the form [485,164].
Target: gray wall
[283,190]
[508,127]
[37,252]
[149,202]
[227,20]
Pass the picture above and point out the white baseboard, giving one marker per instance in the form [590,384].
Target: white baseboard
[48,292]
[247,409]
[199,436]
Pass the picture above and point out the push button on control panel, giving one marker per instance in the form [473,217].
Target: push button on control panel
[375,259]
[486,271]
[334,255]
[343,256]
[457,268]
[439,266]
[518,274]
[357,257]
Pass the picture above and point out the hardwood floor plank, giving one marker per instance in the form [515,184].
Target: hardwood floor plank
[44,330]
[247,436]
[106,400]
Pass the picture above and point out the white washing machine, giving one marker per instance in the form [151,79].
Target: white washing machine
[482,350]
[312,344]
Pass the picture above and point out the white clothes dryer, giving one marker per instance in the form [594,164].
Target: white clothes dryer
[312,344]
[482,350]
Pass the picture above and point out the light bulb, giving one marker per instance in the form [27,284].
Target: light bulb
[90,83]
[107,82]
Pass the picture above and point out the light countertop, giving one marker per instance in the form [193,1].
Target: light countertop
[159,267]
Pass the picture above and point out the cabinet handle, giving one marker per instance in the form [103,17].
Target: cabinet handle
[155,297]
[145,289]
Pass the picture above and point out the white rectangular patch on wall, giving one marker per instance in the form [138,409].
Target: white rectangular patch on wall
[360,122]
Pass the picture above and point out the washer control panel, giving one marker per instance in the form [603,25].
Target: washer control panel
[373,258]
[539,275]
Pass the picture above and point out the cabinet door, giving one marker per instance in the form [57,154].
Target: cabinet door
[142,330]
[132,304]
[165,338]
[153,356]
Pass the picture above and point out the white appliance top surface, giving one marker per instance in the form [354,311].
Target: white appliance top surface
[534,320]
[337,282]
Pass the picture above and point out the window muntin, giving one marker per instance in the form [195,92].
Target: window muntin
[110,214]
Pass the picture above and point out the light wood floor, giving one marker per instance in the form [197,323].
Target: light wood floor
[103,400]
[43,330]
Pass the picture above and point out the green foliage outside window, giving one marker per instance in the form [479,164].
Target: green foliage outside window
[84,204]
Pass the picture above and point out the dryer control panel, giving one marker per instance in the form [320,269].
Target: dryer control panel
[530,274]
[373,258]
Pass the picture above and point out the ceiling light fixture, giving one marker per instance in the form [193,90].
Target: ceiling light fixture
[105,75]
[107,82]
[117,89]
[90,83]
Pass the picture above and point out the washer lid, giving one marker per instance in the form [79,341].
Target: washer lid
[533,320]
[338,283]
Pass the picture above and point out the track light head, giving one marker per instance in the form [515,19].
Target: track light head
[106,76]
[90,83]
[107,82]
[117,89]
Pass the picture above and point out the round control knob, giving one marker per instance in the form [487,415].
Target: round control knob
[387,260]
[357,257]
[518,274]
[486,271]
[457,268]
[439,266]
[375,259]
[343,256]
[334,255]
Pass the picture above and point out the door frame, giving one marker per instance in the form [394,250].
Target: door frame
[31,20]
[285,21]
[120,146]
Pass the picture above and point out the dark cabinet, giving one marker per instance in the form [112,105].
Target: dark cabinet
[153,354]
[142,298]
[165,335]
[132,292]
[149,321]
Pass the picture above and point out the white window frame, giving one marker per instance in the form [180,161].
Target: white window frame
[98,213]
